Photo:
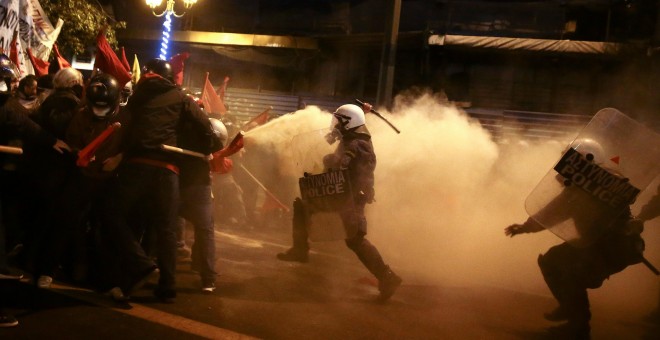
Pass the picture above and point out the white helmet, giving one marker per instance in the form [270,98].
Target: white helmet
[348,116]
[67,78]
[220,130]
[590,149]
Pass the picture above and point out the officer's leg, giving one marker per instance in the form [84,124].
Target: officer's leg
[355,225]
[553,265]
[300,250]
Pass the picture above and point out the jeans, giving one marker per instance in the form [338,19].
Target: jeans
[197,208]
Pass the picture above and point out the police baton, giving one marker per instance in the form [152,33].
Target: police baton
[379,116]
[650,266]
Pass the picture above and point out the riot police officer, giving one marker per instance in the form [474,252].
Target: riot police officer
[584,262]
[355,153]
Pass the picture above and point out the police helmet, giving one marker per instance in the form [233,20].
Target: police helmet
[159,67]
[103,94]
[348,116]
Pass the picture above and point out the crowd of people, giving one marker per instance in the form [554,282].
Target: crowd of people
[93,171]
[90,180]
[99,181]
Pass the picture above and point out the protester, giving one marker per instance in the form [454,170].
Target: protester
[197,203]
[47,172]
[87,186]
[16,125]
[355,154]
[149,174]
[26,93]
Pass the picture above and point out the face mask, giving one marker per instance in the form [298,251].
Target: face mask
[100,111]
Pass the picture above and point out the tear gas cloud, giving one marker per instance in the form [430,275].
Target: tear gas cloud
[445,191]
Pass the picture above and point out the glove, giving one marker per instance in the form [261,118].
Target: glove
[514,230]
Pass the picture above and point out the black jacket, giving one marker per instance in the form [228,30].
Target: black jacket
[158,110]
[15,124]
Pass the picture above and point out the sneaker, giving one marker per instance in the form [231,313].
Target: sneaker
[148,275]
[208,288]
[44,281]
[116,295]
[7,320]
[558,314]
[294,255]
[388,285]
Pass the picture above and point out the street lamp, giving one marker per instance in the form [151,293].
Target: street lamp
[168,12]
[169,9]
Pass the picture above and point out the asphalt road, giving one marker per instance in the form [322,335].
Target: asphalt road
[331,297]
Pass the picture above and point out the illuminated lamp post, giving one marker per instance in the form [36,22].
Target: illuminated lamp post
[168,12]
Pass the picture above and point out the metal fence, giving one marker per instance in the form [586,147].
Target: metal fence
[502,124]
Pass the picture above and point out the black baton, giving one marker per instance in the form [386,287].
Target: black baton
[379,116]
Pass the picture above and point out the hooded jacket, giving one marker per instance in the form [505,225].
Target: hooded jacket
[158,110]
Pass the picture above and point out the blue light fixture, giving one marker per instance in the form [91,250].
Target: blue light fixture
[168,12]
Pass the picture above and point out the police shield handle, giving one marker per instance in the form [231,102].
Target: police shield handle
[87,153]
[11,149]
[379,116]
[184,151]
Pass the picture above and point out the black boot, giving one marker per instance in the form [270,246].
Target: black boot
[388,284]
[294,255]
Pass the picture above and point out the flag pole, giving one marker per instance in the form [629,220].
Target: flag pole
[270,194]
[204,86]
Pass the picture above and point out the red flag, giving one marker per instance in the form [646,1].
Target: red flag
[124,61]
[259,119]
[221,165]
[223,88]
[60,59]
[235,146]
[40,66]
[13,52]
[85,155]
[212,103]
[270,204]
[108,62]
[177,62]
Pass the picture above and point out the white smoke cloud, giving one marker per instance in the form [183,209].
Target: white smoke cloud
[445,191]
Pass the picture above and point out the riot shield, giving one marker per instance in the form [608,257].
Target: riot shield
[601,173]
[323,193]
[324,196]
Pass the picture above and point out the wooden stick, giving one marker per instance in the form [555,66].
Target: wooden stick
[11,149]
[183,151]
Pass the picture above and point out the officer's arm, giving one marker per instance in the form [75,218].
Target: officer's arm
[530,226]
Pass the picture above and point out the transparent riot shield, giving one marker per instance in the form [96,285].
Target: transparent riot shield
[323,193]
[601,173]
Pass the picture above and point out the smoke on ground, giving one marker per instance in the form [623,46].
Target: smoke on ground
[445,191]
